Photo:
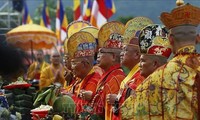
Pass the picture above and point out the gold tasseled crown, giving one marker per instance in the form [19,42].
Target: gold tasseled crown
[81,44]
[91,29]
[75,26]
[111,35]
[94,31]
[133,28]
[182,15]
[65,46]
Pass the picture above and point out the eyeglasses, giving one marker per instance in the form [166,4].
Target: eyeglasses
[74,63]
[103,52]
[56,56]
[106,52]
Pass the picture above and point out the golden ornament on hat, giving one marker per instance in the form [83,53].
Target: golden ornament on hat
[133,27]
[81,44]
[183,15]
[75,26]
[179,2]
[111,35]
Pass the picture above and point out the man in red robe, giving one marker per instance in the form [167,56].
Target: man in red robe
[81,53]
[130,58]
[109,60]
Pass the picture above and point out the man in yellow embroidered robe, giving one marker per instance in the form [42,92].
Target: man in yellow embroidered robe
[172,91]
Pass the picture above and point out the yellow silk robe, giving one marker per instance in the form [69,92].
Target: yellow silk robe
[32,69]
[48,77]
[169,93]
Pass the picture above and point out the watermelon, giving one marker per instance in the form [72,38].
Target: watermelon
[64,104]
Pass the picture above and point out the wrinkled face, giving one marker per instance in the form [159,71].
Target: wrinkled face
[77,67]
[55,59]
[104,57]
[146,65]
[39,56]
[128,55]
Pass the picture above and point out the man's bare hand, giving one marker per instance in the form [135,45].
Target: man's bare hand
[57,77]
[68,76]
[110,98]
[85,95]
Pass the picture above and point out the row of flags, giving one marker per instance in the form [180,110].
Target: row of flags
[45,19]
[77,10]
[26,18]
[61,22]
[97,12]
[87,6]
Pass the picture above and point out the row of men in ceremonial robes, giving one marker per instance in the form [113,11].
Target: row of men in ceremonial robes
[94,84]
[104,87]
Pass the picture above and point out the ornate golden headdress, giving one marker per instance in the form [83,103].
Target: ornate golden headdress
[75,26]
[153,40]
[81,44]
[183,15]
[91,29]
[110,35]
[94,31]
[65,46]
[132,29]
[72,28]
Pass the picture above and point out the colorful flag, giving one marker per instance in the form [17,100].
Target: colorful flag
[97,19]
[77,10]
[102,10]
[26,18]
[61,22]
[107,8]
[45,20]
[87,6]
